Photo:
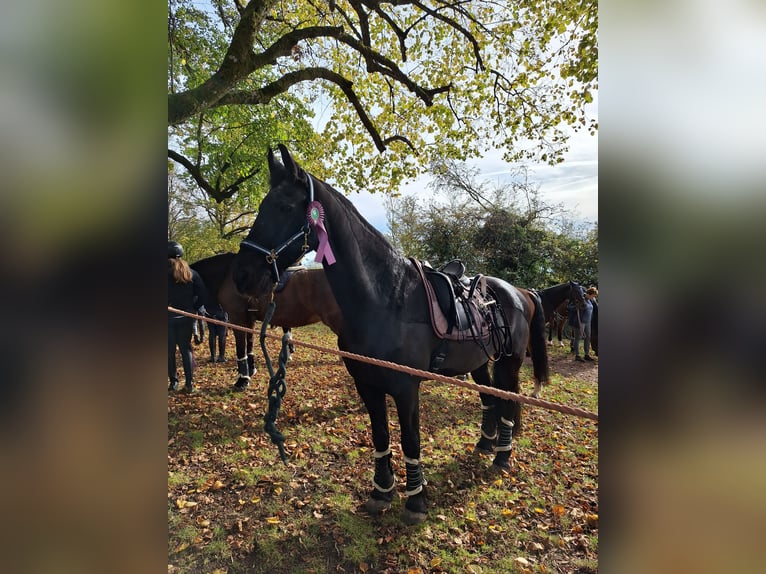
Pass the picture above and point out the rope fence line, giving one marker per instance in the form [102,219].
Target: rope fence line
[426,375]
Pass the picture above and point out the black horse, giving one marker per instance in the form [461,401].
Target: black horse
[303,300]
[552,298]
[385,308]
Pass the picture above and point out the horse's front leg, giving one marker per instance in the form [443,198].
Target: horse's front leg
[383,480]
[408,408]
[486,444]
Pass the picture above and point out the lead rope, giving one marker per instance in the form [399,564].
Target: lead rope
[277,385]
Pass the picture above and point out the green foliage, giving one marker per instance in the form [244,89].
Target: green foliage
[492,233]
[397,86]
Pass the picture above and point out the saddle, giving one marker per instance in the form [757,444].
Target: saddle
[459,306]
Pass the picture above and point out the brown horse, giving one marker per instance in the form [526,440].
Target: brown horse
[305,298]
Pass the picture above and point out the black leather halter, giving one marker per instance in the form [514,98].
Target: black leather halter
[272,254]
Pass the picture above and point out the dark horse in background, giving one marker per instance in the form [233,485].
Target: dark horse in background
[383,303]
[306,298]
[552,298]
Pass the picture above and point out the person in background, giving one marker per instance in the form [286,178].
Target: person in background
[186,292]
[217,333]
[579,319]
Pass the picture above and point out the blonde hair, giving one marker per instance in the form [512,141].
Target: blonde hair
[181,271]
[592,291]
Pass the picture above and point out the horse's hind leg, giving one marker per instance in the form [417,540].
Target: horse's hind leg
[243,371]
[383,481]
[508,411]
[486,444]
[250,355]
[290,346]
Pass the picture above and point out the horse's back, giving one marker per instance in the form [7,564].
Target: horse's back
[307,299]
[214,270]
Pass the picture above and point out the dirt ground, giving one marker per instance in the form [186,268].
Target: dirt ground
[562,363]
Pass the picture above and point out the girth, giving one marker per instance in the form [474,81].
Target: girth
[459,307]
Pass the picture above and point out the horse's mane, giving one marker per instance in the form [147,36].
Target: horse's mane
[348,206]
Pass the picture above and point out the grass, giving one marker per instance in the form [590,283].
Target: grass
[262,516]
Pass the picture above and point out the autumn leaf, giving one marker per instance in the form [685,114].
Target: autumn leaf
[435,562]
[273,520]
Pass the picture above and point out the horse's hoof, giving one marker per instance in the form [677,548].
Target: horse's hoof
[376,507]
[497,470]
[410,517]
[241,385]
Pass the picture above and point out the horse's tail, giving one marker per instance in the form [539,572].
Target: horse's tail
[537,340]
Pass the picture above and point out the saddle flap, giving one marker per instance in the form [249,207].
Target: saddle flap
[453,315]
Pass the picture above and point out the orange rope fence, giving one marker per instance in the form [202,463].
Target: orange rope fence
[425,375]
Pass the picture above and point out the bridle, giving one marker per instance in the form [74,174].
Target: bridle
[272,254]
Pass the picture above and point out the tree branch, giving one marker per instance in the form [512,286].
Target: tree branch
[212,191]
[265,94]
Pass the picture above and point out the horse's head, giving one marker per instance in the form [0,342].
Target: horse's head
[280,230]
[577,294]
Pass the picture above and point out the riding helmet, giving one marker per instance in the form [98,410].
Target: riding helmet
[175,250]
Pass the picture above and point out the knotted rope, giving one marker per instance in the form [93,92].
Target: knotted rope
[425,375]
[277,384]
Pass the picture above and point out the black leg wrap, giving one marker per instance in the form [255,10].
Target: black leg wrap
[244,378]
[415,509]
[383,481]
[486,443]
[503,447]
[383,484]
[250,364]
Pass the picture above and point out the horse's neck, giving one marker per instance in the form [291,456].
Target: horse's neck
[556,294]
[367,268]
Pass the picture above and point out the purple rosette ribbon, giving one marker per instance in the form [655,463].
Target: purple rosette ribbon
[315,215]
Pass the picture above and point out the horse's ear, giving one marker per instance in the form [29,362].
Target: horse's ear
[288,160]
[276,169]
[270,159]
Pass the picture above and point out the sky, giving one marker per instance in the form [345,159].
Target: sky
[573,183]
